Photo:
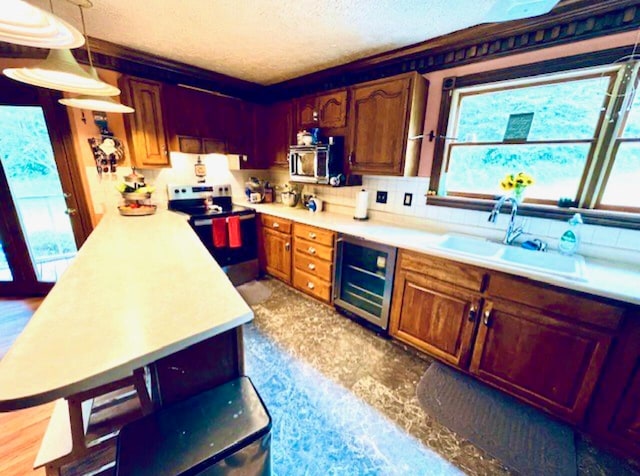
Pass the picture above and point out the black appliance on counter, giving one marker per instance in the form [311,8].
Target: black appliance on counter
[364,279]
[206,202]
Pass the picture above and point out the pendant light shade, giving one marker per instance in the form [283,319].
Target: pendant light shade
[60,71]
[24,24]
[96,103]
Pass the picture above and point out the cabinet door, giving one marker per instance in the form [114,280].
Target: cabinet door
[278,125]
[332,109]
[539,357]
[379,120]
[434,317]
[146,128]
[277,254]
[307,115]
[626,422]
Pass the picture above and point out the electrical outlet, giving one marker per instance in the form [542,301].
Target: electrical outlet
[381,197]
[408,198]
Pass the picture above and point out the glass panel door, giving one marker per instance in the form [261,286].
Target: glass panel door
[363,277]
[28,164]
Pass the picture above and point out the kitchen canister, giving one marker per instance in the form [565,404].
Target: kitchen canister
[315,205]
[362,202]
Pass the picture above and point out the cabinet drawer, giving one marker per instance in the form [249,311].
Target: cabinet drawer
[316,250]
[311,233]
[563,302]
[314,266]
[312,285]
[279,224]
[444,270]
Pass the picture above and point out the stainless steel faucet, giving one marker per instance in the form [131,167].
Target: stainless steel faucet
[513,231]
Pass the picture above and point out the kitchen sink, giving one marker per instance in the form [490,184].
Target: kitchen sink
[553,262]
[550,262]
[470,245]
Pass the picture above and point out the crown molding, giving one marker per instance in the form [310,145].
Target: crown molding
[569,21]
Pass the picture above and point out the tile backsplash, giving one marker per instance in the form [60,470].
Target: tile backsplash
[597,241]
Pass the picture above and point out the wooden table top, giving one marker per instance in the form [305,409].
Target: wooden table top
[140,288]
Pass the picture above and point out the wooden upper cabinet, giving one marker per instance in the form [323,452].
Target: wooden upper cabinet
[145,127]
[328,111]
[385,117]
[540,357]
[332,109]
[278,125]
[307,116]
[435,317]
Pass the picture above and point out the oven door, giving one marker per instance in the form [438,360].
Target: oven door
[303,165]
[240,264]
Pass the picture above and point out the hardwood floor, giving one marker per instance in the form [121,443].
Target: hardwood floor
[21,430]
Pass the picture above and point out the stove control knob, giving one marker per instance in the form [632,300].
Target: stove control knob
[184,190]
[176,190]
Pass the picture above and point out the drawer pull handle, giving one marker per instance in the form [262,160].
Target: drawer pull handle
[276,225]
[312,236]
[312,250]
[311,266]
[310,285]
[287,246]
[472,313]
[487,318]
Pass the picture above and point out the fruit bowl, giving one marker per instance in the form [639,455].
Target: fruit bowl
[136,211]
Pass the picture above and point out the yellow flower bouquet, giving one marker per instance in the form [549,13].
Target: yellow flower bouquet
[516,183]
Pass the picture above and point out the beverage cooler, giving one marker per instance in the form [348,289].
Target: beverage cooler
[364,279]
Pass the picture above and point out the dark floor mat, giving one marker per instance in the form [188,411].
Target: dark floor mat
[520,436]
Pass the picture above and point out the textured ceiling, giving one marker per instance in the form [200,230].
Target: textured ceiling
[268,41]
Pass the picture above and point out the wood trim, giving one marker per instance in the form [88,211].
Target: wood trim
[134,62]
[569,22]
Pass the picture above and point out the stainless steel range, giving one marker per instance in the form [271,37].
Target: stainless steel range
[228,231]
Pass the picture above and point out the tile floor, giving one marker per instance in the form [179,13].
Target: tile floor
[343,399]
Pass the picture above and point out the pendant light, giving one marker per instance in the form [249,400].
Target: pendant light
[24,24]
[60,71]
[93,102]
[96,103]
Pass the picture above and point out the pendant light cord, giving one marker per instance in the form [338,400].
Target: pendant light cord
[86,37]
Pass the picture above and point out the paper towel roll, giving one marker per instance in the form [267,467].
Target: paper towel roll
[362,201]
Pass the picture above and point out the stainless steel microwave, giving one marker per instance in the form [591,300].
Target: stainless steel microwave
[316,163]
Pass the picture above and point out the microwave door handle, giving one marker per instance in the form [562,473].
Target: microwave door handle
[315,164]
[292,166]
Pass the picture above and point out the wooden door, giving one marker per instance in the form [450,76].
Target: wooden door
[332,109]
[539,357]
[434,317]
[277,254]
[379,120]
[278,124]
[146,127]
[307,115]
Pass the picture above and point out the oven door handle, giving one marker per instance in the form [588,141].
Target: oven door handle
[209,221]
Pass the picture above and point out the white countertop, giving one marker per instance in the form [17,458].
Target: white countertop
[606,279]
[139,289]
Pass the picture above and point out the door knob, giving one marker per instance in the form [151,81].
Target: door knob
[71,211]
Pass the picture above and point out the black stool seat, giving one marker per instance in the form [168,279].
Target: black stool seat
[226,430]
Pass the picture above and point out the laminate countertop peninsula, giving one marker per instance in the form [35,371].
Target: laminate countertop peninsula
[602,278]
[140,288]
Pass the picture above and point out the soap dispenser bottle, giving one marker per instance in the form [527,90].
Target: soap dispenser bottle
[570,238]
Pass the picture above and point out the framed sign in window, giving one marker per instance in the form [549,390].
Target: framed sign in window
[518,127]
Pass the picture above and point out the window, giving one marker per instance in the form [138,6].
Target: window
[577,133]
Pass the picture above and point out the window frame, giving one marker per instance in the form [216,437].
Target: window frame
[601,155]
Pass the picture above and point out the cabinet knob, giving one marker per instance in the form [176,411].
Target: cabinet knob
[312,250]
[352,160]
[315,116]
[287,246]
[311,266]
[276,225]
[487,318]
[164,150]
[312,236]
[473,311]
[310,285]
[71,211]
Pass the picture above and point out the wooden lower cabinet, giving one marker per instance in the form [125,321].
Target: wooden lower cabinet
[276,254]
[541,358]
[435,317]
[313,261]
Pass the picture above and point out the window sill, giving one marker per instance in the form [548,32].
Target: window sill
[591,217]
